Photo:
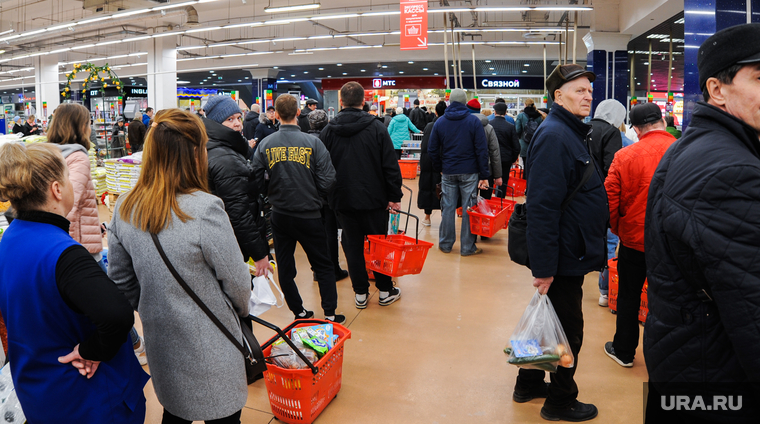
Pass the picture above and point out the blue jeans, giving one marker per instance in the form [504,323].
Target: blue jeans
[452,187]
[604,276]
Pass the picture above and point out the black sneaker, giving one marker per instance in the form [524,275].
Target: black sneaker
[526,396]
[610,351]
[305,315]
[339,319]
[341,275]
[361,304]
[576,413]
[394,295]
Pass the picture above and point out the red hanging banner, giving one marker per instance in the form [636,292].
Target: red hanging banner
[414,24]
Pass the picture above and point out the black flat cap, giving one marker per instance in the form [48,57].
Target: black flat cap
[727,47]
[566,73]
[311,102]
[500,108]
[645,113]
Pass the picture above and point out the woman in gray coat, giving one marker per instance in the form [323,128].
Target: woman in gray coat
[198,374]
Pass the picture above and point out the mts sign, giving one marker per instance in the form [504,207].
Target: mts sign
[380,83]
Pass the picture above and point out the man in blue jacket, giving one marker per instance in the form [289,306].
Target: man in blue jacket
[566,239]
[702,243]
[459,150]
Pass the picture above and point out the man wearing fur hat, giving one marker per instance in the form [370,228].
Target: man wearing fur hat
[567,227]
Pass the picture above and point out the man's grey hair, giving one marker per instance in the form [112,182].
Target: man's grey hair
[256,108]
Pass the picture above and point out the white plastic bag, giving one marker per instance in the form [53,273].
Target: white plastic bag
[262,296]
[10,408]
[539,341]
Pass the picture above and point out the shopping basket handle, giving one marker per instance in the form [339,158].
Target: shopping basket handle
[285,337]
[409,209]
[416,232]
[497,189]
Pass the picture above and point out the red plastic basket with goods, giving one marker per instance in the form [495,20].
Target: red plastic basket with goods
[299,396]
[488,225]
[516,172]
[408,168]
[396,254]
[612,293]
[518,185]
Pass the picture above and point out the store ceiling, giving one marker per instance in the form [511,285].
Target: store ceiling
[659,72]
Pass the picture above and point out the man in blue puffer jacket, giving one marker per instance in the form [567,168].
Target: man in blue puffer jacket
[565,241]
[459,150]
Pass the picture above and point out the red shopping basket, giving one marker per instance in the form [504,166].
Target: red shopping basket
[612,293]
[396,254]
[516,172]
[518,185]
[408,168]
[299,396]
[488,225]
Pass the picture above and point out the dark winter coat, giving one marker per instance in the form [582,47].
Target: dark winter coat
[250,124]
[529,113]
[18,129]
[418,118]
[230,178]
[28,129]
[303,119]
[387,120]
[136,132]
[509,143]
[265,128]
[572,242]
[367,172]
[702,230]
[605,142]
[458,143]
[426,197]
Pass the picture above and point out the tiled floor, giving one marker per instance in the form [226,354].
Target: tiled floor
[435,356]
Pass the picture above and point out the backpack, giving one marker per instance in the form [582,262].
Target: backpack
[530,128]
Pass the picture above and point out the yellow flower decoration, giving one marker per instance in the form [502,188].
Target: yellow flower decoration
[102,79]
[105,85]
[67,89]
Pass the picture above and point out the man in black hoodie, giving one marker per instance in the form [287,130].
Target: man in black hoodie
[368,184]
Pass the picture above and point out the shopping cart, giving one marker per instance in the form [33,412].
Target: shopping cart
[299,396]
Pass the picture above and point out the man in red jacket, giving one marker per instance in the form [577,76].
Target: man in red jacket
[627,187]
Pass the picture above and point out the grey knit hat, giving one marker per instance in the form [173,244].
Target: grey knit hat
[458,95]
[219,108]
[317,119]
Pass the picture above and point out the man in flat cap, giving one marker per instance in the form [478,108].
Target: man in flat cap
[627,186]
[702,243]
[303,120]
[567,229]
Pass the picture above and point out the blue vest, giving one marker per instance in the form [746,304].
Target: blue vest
[42,328]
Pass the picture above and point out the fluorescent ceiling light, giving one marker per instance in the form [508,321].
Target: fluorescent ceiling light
[288,39]
[63,26]
[282,9]
[285,21]
[501,9]
[222,45]
[137,54]
[60,50]
[699,12]
[247,24]
[98,19]
[386,13]
[190,31]
[183,82]
[171,6]
[190,47]
[166,34]
[319,37]
[130,13]
[326,17]
[105,43]
[144,37]
[39,31]
[6,32]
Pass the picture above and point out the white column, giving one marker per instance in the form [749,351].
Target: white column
[162,73]
[46,86]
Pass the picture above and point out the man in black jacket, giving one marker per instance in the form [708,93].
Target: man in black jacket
[417,116]
[565,241]
[303,120]
[702,243]
[230,178]
[251,121]
[509,144]
[136,133]
[368,184]
[300,172]
[605,137]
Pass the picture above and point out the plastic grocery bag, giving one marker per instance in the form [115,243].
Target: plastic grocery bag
[393,221]
[539,341]
[262,296]
[483,207]
[10,408]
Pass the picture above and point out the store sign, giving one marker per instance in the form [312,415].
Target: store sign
[486,83]
[131,91]
[94,92]
[414,24]
[380,83]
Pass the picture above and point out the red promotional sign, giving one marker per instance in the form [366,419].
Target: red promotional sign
[414,24]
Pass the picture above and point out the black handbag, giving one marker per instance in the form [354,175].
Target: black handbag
[253,356]
[517,239]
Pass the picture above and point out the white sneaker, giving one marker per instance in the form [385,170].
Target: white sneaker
[426,222]
[140,353]
[603,301]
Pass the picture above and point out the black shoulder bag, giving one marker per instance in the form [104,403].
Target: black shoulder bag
[252,354]
[517,241]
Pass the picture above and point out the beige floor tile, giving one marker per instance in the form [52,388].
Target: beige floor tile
[435,356]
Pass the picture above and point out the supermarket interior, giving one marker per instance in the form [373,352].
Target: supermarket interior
[437,355]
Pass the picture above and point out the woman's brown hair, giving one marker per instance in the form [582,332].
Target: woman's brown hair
[174,163]
[26,173]
[70,125]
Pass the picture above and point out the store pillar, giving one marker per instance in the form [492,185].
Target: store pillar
[263,79]
[46,85]
[608,60]
[702,18]
[162,73]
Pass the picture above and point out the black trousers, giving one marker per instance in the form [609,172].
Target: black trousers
[525,167]
[356,226]
[398,153]
[632,272]
[169,418]
[310,233]
[505,168]
[331,230]
[566,294]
